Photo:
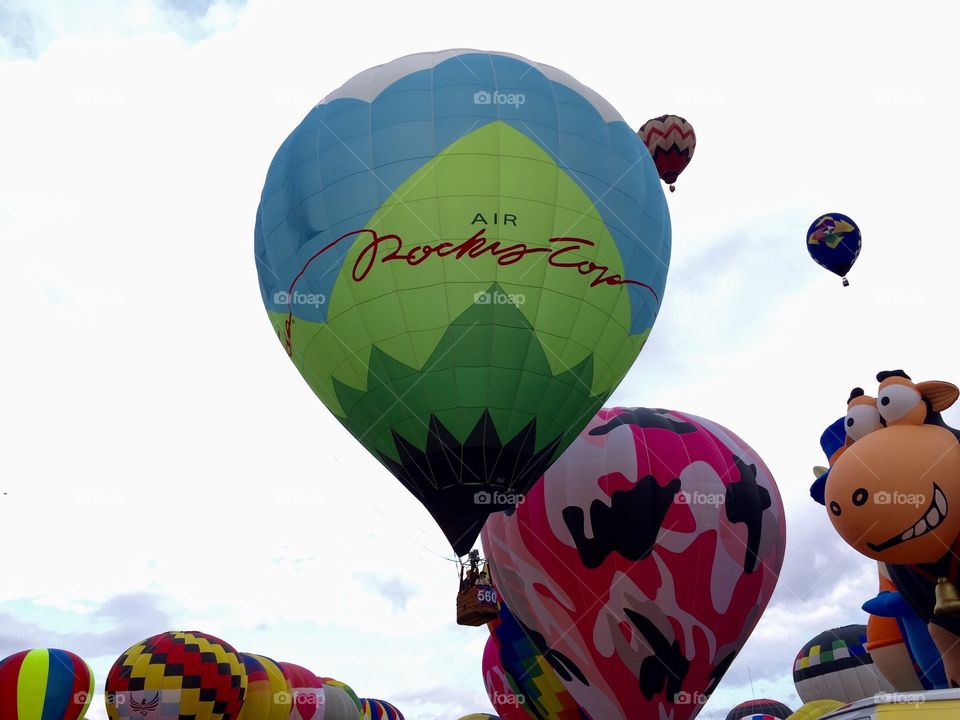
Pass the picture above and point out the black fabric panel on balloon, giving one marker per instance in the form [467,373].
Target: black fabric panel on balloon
[461,484]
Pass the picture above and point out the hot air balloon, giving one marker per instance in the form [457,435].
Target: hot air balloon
[462,252]
[833,240]
[309,697]
[379,710]
[897,639]
[767,709]
[643,559]
[815,709]
[889,497]
[671,142]
[44,684]
[268,694]
[342,702]
[835,665]
[481,716]
[177,674]
[512,653]
[337,708]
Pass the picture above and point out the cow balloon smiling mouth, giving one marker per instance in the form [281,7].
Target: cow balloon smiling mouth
[930,521]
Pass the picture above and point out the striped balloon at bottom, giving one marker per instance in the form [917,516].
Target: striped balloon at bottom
[44,684]
[379,710]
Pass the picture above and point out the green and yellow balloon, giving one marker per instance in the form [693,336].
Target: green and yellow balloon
[463,252]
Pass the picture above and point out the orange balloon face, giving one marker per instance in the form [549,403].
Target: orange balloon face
[894,494]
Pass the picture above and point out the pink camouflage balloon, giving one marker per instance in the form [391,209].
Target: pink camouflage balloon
[642,560]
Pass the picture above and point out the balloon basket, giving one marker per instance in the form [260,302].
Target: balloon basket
[477,605]
[846,283]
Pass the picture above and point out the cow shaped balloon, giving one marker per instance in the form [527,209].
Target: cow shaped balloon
[642,560]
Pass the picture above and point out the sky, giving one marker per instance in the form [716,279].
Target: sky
[165,467]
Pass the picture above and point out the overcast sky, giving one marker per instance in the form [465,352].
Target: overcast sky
[166,466]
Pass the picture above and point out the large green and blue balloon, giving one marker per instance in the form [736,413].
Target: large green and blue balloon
[463,252]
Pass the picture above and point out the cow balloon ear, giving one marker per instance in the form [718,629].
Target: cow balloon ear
[941,395]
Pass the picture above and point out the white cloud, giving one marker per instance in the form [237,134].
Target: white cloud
[158,441]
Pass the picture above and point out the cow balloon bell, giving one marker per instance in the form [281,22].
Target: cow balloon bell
[463,253]
[642,560]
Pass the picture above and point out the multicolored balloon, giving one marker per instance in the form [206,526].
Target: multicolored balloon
[481,716]
[501,687]
[342,701]
[379,710]
[836,665]
[511,652]
[309,697]
[44,684]
[671,142]
[268,694]
[177,674]
[463,253]
[764,708]
[642,561]
[833,241]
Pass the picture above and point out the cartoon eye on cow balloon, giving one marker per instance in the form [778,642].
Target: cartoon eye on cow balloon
[893,494]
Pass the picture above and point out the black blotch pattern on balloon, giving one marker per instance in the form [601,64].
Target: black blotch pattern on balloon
[719,670]
[629,525]
[666,668]
[745,503]
[645,418]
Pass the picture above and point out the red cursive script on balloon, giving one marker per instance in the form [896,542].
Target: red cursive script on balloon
[390,248]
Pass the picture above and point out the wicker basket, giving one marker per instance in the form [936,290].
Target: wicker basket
[477,605]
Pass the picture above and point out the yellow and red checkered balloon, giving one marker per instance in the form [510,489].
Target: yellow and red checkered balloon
[177,675]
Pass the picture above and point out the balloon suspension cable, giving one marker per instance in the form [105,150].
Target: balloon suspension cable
[396,526]
[753,692]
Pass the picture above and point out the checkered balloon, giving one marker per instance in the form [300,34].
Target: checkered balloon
[177,676]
